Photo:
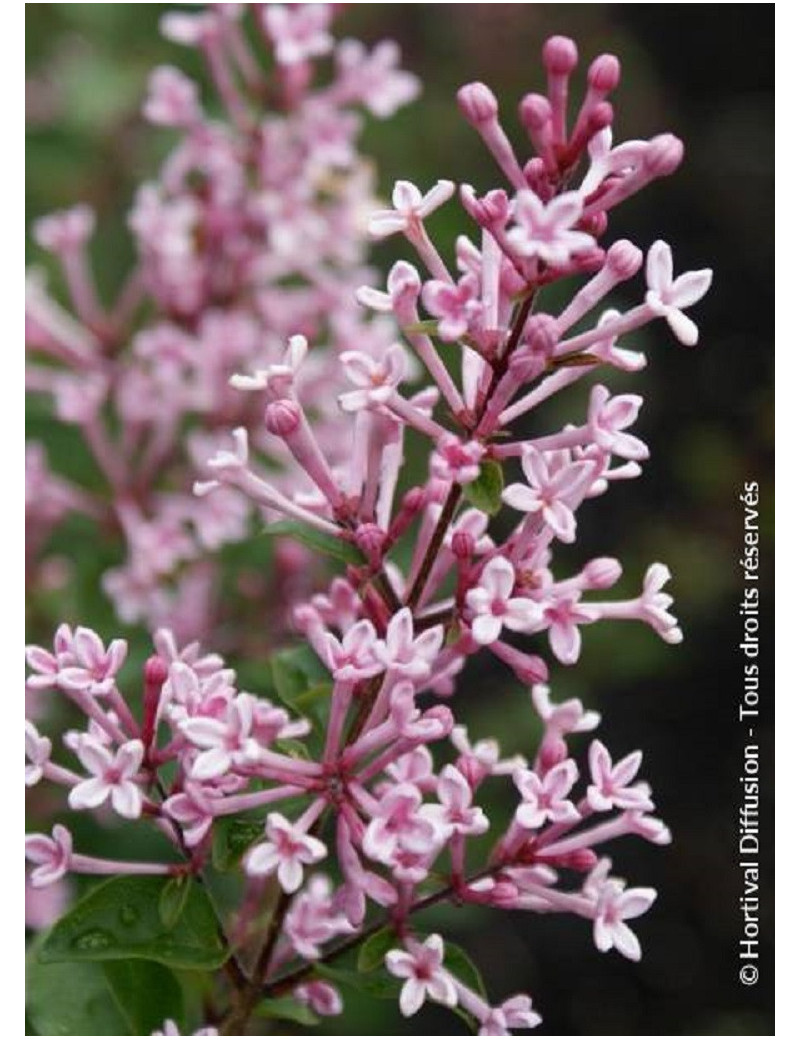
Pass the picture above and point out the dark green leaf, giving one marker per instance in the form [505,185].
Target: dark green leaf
[319,541]
[148,993]
[484,492]
[233,836]
[123,998]
[372,952]
[461,965]
[295,671]
[287,1009]
[172,901]
[380,985]
[120,918]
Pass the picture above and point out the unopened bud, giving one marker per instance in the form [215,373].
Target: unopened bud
[604,72]
[477,103]
[624,259]
[560,55]
[282,417]
[602,573]
[664,155]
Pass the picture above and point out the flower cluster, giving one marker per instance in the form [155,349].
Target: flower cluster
[369,796]
[254,230]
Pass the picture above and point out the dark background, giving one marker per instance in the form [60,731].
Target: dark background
[704,72]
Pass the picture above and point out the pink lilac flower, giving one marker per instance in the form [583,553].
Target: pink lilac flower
[286,852]
[547,229]
[403,653]
[52,856]
[420,964]
[321,997]
[226,742]
[550,491]
[457,461]
[615,905]
[609,416]
[312,920]
[375,380]
[456,306]
[298,31]
[656,604]
[410,207]
[514,1013]
[494,608]
[610,787]
[544,798]
[455,813]
[37,751]
[113,777]
[669,296]
[353,658]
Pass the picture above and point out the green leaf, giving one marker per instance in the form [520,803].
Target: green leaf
[123,998]
[320,541]
[233,836]
[120,918]
[380,985]
[371,953]
[172,901]
[147,992]
[295,671]
[288,1009]
[484,492]
[293,748]
[461,965]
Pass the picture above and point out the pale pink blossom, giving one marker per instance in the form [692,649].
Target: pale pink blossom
[545,798]
[551,490]
[321,997]
[376,381]
[668,296]
[514,1013]
[547,230]
[312,920]
[456,460]
[403,653]
[226,743]
[457,306]
[51,856]
[410,208]
[656,604]
[397,826]
[493,607]
[299,31]
[563,613]
[614,906]
[37,751]
[420,964]
[610,787]
[353,657]
[609,416]
[287,850]
[455,813]
[113,777]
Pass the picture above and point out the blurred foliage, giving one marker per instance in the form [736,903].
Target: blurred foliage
[707,419]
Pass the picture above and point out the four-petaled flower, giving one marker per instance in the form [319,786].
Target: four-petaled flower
[52,856]
[610,783]
[545,797]
[546,229]
[113,777]
[551,491]
[410,208]
[615,905]
[514,1013]
[456,306]
[456,460]
[376,381]
[421,966]
[312,919]
[493,607]
[655,604]
[668,296]
[353,657]
[609,416]
[227,742]
[37,751]
[299,31]
[455,813]
[286,852]
[405,655]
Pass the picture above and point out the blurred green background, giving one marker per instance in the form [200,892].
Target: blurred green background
[705,73]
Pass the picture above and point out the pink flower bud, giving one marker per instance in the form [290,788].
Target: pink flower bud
[371,541]
[541,334]
[560,55]
[604,72]
[463,545]
[441,715]
[535,112]
[477,103]
[282,417]
[602,573]
[595,225]
[553,750]
[664,155]
[601,116]
[155,675]
[624,259]
[582,860]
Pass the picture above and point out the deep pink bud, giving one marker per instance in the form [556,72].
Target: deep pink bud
[603,74]
[477,103]
[471,769]
[282,417]
[601,116]
[664,155]
[488,211]
[443,716]
[535,171]
[535,112]
[582,860]
[463,545]
[602,573]
[560,55]
[552,751]
[595,225]
[541,334]
[371,540]
[155,675]
[624,259]
[414,499]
